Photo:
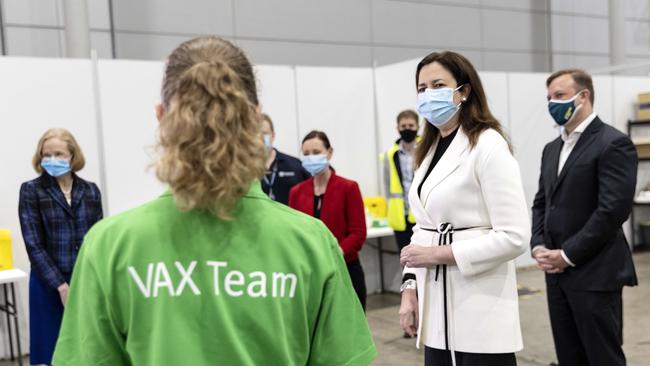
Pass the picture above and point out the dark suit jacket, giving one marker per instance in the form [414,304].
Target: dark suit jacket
[581,210]
[342,211]
[53,230]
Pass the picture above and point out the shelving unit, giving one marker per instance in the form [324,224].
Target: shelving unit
[630,125]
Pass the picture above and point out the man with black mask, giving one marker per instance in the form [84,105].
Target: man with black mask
[398,175]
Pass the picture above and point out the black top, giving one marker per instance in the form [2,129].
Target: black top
[443,144]
[285,172]
[318,205]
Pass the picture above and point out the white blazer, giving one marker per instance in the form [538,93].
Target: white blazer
[477,188]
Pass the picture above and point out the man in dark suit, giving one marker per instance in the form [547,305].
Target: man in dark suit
[586,189]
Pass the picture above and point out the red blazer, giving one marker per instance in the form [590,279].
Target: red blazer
[342,211]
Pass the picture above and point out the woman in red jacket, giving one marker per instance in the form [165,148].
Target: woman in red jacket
[334,200]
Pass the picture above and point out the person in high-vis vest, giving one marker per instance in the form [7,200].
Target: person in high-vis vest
[398,175]
[213,272]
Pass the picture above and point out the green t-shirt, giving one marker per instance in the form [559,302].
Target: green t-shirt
[157,286]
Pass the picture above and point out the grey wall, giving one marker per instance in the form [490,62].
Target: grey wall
[497,35]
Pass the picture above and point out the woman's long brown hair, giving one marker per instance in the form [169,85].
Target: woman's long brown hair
[474,114]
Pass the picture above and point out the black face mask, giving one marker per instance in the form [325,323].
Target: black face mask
[408,135]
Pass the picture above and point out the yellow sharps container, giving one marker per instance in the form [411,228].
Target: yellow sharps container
[6,257]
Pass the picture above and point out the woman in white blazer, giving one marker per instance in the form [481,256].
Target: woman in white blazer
[459,293]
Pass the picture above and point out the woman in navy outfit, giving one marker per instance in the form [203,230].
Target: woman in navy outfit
[56,210]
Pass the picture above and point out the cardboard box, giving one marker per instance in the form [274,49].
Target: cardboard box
[643,110]
[642,146]
[643,115]
[644,98]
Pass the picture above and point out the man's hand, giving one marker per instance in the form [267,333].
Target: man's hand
[550,261]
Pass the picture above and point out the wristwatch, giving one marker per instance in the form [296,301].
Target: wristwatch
[408,285]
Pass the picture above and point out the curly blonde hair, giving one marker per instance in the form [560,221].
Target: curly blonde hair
[210,135]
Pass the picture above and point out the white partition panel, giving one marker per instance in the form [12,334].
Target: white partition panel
[531,128]
[625,91]
[603,102]
[276,88]
[129,91]
[495,85]
[339,102]
[37,94]
[396,91]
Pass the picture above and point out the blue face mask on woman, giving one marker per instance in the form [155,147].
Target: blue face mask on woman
[563,110]
[437,105]
[268,143]
[55,167]
[315,164]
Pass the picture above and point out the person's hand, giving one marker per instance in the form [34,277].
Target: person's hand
[536,252]
[408,312]
[551,261]
[417,256]
[63,292]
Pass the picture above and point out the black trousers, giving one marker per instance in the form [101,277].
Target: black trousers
[403,238]
[587,326]
[436,357]
[358,281]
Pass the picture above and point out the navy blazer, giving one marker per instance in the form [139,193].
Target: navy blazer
[53,230]
[582,209]
[289,172]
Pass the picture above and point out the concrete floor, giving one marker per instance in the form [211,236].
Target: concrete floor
[538,350]
[538,342]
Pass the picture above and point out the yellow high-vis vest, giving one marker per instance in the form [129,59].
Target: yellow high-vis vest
[396,215]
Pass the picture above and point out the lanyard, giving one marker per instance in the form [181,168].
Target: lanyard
[271,182]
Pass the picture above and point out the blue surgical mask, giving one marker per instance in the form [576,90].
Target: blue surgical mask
[437,105]
[315,164]
[55,167]
[268,142]
[563,110]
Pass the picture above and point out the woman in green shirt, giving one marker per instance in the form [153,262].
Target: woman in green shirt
[212,272]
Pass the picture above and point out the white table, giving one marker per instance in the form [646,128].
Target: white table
[379,234]
[10,277]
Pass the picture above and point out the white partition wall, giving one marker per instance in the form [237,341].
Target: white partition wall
[495,86]
[624,99]
[276,89]
[604,101]
[395,91]
[531,127]
[339,102]
[35,95]
[129,91]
